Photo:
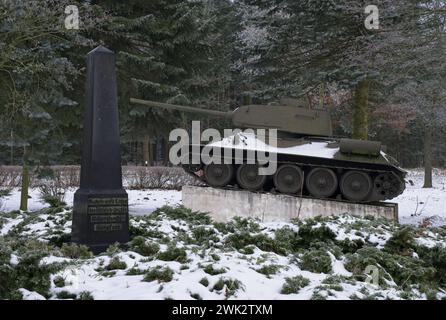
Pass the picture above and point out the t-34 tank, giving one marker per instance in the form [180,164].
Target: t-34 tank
[310,161]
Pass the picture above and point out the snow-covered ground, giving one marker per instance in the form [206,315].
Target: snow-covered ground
[184,255]
[416,204]
[140,201]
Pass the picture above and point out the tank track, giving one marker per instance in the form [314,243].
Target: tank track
[388,174]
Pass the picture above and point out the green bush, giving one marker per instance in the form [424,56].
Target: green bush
[294,284]
[232,285]
[160,274]
[308,234]
[316,260]
[60,240]
[5,252]
[85,295]
[8,281]
[75,251]
[202,235]
[243,224]
[436,258]
[113,249]
[182,213]
[402,242]
[204,282]
[209,269]
[59,282]
[173,254]
[288,238]
[238,225]
[53,201]
[135,272]
[268,270]
[403,270]
[335,280]
[196,296]
[66,295]
[32,275]
[28,273]
[5,192]
[350,246]
[241,240]
[141,246]
[116,264]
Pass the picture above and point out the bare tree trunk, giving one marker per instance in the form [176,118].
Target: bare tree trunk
[247,100]
[322,96]
[361,110]
[146,150]
[25,182]
[427,157]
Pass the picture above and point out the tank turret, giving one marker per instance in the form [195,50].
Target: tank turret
[287,117]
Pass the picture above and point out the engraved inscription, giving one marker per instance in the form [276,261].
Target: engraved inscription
[107,227]
[108,214]
[108,201]
[108,218]
[107,210]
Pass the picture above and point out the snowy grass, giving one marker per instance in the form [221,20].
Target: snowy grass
[177,254]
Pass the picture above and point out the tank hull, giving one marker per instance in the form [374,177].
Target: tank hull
[314,167]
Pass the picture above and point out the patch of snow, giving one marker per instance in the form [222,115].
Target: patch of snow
[12,202]
[338,266]
[9,225]
[141,202]
[248,141]
[53,259]
[31,295]
[14,260]
[418,204]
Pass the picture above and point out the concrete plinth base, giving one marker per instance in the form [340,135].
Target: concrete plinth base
[223,205]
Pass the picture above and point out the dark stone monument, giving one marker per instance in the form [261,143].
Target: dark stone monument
[100,213]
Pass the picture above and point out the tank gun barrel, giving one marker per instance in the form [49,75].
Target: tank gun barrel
[168,106]
[290,119]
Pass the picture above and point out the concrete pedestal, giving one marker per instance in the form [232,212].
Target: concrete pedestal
[223,205]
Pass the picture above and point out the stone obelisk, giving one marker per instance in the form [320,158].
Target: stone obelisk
[100,212]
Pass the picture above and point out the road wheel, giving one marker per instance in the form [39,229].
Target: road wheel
[356,185]
[219,175]
[248,177]
[321,182]
[289,179]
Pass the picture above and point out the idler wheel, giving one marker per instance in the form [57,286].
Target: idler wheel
[387,185]
[248,177]
[289,179]
[322,182]
[218,175]
[356,186]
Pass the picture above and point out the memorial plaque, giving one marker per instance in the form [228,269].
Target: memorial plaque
[100,212]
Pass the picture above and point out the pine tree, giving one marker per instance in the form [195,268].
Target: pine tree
[167,50]
[309,45]
[35,74]
[418,52]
